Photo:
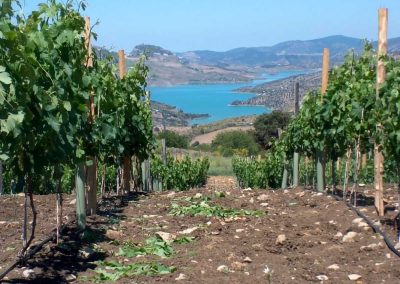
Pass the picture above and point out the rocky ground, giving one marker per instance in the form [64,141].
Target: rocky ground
[291,236]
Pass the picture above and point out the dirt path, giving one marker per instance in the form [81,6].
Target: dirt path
[231,249]
[209,137]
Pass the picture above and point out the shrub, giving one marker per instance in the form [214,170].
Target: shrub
[173,139]
[235,142]
[266,127]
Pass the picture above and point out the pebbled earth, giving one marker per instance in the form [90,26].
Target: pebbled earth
[299,240]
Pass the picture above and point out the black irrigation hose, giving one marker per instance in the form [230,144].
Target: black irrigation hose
[376,229]
[35,249]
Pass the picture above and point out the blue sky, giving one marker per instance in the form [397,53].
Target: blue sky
[182,25]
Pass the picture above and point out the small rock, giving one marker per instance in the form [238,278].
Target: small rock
[223,268]
[362,225]
[354,277]
[70,277]
[247,273]
[86,253]
[322,277]
[171,194]
[349,237]
[198,195]
[239,230]
[264,204]
[21,194]
[338,235]
[397,246]
[247,189]
[251,201]
[333,267]
[188,231]
[248,260]
[377,223]
[371,247]
[301,194]
[180,277]
[28,273]
[280,240]
[263,197]
[238,266]
[357,220]
[166,237]
[72,202]
[3,222]
[286,191]
[113,234]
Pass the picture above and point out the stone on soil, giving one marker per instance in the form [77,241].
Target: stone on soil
[181,277]
[322,277]
[263,197]
[166,237]
[188,231]
[354,277]
[349,237]
[357,220]
[28,273]
[70,277]
[281,239]
[223,268]
[248,260]
[333,267]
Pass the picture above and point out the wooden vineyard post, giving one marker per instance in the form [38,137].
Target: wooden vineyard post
[91,170]
[164,160]
[296,154]
[320,153]
[126,168]
[381,74]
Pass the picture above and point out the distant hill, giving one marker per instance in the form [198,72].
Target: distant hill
[296,53]
[240,64]
[166,69]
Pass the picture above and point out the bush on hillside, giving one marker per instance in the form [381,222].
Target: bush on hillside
[235,143]
[173,139]
[266,127]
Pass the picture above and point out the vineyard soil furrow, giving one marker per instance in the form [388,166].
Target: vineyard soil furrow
[301,237]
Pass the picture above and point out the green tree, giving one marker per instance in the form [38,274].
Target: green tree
[235,142]
[173,139]
[266,127]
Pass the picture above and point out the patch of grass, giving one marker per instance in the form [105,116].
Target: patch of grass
[113,271]
[220,166]
[152,246]
[203,208]
[184,240]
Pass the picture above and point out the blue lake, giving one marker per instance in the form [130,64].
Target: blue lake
[214,99]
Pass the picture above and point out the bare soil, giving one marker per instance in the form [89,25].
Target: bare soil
[247,246]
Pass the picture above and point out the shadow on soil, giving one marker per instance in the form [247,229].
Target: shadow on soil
[75,253]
